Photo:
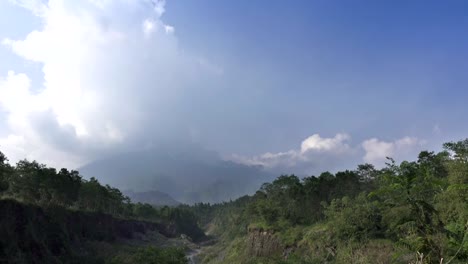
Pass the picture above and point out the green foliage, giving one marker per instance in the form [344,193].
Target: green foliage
[354,219]
[361,216]
[184,219]
[152,255]
[95,197]
[291,201]
[459,150]
[5,172]
[408,193]
[44,229]
[37,184]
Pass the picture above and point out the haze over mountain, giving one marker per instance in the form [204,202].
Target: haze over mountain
[188,174]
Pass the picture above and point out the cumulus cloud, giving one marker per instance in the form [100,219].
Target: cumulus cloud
[319,144]
[113,74]
[377,151]
[316,154]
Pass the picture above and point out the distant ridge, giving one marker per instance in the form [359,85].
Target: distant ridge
[186,172]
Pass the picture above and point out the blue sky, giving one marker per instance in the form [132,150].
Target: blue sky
[385,68]
[247,78]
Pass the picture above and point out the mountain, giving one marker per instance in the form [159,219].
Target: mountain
[156,198]
[187,173]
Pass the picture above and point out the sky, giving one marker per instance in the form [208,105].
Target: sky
[296,86]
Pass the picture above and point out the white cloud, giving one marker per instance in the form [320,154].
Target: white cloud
[376,151]
[113,71]
[318,154]
[169,29]
[159,6]
[315,155]
[148,27]
[317,143]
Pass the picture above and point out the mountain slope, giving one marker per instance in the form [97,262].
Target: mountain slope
[190,174]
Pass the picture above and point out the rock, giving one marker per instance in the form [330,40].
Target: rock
[263,243]
[185,237]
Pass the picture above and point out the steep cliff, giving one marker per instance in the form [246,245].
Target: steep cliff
[263,243]
[30,234]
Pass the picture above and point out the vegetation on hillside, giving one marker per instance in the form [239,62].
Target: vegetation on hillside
[33,183]
[46,212]
[412,212]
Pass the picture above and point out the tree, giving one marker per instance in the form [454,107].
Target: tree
[408,192]
[5,172]
[285,199]
[67,186]
[366,172]
[26,181]
[354,219]
[347,183]
[145,211]
[91,195]
[453,201]
[459,150]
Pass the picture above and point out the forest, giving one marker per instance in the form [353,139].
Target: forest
[408,212]
[412,212]
[70,209]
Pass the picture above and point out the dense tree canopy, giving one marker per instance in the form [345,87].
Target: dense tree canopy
[34,183]
[416,206]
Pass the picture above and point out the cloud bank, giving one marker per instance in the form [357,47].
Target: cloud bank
[114,76]
[377,150]
[317,154]
[115,79]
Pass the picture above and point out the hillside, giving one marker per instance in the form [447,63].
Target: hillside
[409,213]
[31,234]
[50,216]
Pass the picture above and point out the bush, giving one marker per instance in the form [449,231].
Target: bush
[356,218]
[153,255]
